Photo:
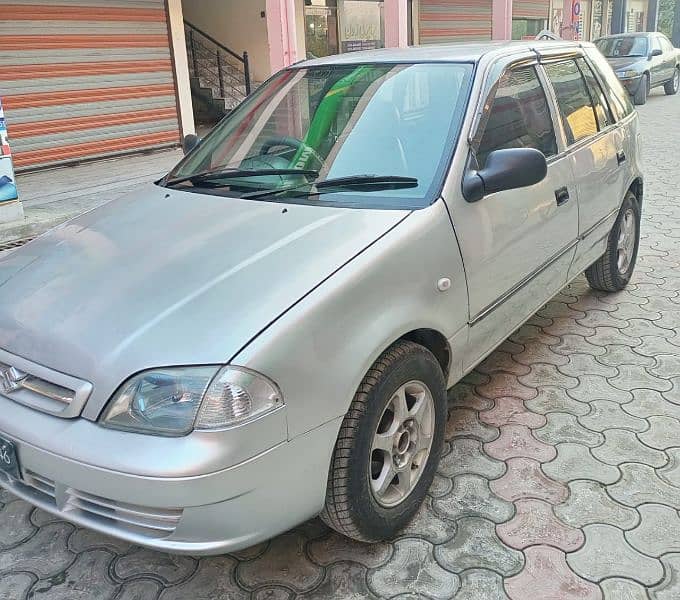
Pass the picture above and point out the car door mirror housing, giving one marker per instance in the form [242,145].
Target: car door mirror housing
[655,52]
[189,142]
[506,169]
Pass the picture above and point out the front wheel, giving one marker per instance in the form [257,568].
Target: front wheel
[613,270]
[642,91]
[389,445]
[671,87]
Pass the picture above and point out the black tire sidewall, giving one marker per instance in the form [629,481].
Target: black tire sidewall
[620,279]
[377,522]
[643,90]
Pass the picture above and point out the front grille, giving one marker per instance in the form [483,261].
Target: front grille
[41,388]
[88,509]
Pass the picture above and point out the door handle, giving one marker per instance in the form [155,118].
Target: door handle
[562,195]
[620,157]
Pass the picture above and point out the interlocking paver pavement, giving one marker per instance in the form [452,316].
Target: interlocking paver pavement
[560,479]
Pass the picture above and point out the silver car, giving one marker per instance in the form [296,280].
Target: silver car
[268,332]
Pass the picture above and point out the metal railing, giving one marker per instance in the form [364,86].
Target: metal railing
[224,70]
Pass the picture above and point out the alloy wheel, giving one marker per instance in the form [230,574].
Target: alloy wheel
[625,246]
[676,80]
[402,443]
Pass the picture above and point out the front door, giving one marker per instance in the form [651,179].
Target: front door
[516,245]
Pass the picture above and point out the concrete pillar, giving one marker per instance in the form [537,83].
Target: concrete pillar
[501,20]
[396,24]
[281,33]
[185,106]
[652,15]
[619,16]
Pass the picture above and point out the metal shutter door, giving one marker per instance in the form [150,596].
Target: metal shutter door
[85,78]
[454,21]
[530,9]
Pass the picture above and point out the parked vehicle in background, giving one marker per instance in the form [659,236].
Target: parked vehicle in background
[268,332]
[642,61]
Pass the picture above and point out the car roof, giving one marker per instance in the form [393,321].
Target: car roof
[456,52]
[630,34]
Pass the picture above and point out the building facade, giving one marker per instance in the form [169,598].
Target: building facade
[84,79]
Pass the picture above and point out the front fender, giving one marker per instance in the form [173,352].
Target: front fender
[320,349]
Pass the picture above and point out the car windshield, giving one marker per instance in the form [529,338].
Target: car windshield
[377,135]
[619,47]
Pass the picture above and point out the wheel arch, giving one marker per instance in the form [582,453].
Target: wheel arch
[435,342]
[637,187]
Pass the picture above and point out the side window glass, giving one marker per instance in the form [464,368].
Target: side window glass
[656,43]
[604,118]
[578,114]
[619,99]
[666,46]
[519,116]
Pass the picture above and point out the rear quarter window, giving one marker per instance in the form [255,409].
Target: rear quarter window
[619,100]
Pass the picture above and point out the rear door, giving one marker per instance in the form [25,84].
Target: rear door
[669,58]
[517,245]
[657,66]
[595,150]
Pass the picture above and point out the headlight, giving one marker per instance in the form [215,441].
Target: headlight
[177,400]
[627,74]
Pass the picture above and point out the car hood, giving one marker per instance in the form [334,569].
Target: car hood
[165,277]
[623,62]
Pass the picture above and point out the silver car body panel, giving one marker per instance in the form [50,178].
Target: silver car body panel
[309,296]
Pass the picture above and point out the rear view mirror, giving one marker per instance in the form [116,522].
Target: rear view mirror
[655,52]
[505,170]
[190,142]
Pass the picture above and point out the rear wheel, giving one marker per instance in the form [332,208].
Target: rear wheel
[613,270]
[389,445]
[671,87]
[642,91]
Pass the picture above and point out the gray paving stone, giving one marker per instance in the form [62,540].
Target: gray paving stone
[277,592]
[440,486]
[632,377]
[639,484]
[586,364]
[477,546]
[15,525]
[618,354]
[589,503]
[606,414]
[529,334]
[86,539]
[464,422]
[575,462]
[501,362]
[667,365]
[595,387]
[467,456]
[671,472]
[334,547]
[650,403]
[284,563]
[653,346]
[576,344]
[85,579]
[41,517]
[622,446]
[646,327]
[663,433]
[342,581]
[554,399]
[463,395]
[626,310]
[167,567]
[411,569]
[213,578]
[601,318]
[607,554]
[147,589]
[472,497]
[545,374]
[564,427]
[15,585]
[434,526]
[669,588]
[658,532]
[44,554]
[567,326]
[623,589]
[481,584]
[606,336]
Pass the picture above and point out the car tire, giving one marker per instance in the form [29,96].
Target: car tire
[671,87]
[642,91]
[613,270]
[355,505]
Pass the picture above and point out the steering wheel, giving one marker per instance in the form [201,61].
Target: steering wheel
[305,150]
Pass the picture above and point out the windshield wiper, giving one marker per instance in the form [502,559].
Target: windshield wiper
[362,183]
[233,173]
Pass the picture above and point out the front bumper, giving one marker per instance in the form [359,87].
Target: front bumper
[211,513]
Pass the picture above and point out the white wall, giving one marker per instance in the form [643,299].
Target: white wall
[185,107]
[238,25]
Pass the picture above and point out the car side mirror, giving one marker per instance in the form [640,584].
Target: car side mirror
[189,142]
[507,169]
[656,52]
